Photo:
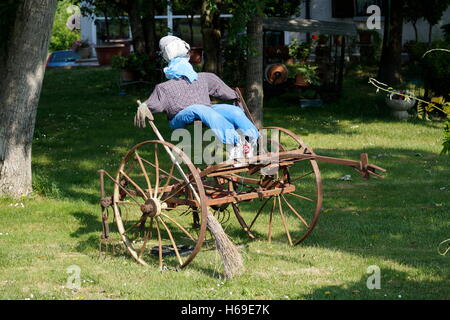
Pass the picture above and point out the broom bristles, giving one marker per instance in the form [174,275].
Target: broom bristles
[229,253]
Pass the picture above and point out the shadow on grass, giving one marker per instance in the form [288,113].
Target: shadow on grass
[394,285]
[398,218]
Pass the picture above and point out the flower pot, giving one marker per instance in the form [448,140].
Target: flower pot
[301,81]
[105,53]
[129,75]
[196,55]
[84,52]
[399,107]
[276,73]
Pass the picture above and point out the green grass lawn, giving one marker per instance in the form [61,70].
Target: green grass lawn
[395,223]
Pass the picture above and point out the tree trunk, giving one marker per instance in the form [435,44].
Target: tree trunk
[430,34]
[254,72]
[22,69]
[108,35]
[416,33]
[210,24]
[148,22]
[390,64]
[136,26]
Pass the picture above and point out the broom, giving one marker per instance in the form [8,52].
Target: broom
[229,253]
[231,258]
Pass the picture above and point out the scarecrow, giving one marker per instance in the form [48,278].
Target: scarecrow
[185,97]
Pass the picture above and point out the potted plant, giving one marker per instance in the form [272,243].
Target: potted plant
[400,104]
[133,67]
[304,74]
[83,48]
[299,51]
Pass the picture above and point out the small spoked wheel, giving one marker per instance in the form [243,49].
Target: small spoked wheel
[294,213]
[156,213]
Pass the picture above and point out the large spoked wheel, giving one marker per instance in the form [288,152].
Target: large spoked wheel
[295,213]
[154,207]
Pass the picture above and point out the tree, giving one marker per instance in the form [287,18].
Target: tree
[189,8]
[211,34]
[248,15]
[390,63]
[22,66]
[141,17]
[432,12]
[413,12]
[254,72]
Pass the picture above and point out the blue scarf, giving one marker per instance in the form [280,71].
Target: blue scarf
[180,67]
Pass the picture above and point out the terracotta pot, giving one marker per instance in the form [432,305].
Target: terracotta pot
[289,61]
[84,52]
[301,81]
[196,55]
[276,73]
[105,53]
[365,37]
[129,75]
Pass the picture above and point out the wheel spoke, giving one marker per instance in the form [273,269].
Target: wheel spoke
[138,223]
[157,171]
[148,236]
[301,197]
[159,245]
[301,177]
[122,188]
[149,185]
[295,211]
[179,226]
[168,181]
[174,245]
[258,213]
[270,219]
[284,221]
[134,184]
[163,171]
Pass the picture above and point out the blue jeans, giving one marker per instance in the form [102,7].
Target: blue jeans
[223,119]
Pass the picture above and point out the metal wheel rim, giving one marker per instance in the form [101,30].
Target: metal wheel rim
[200,190]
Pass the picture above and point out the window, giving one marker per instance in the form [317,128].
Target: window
[362,5]
[343,8]
[353,8]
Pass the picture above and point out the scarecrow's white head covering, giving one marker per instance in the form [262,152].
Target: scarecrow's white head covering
[173,47]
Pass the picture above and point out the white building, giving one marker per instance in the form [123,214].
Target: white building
[353,11]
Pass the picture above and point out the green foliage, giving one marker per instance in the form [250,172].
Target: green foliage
[436,69]
[298,50]
[446,142]
[235,56]
[62,38]
[446,29]
[306,70]
[46,235]
[142,64]
[44,186]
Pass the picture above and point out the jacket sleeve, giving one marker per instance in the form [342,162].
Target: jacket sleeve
[157,101]
[218,89]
